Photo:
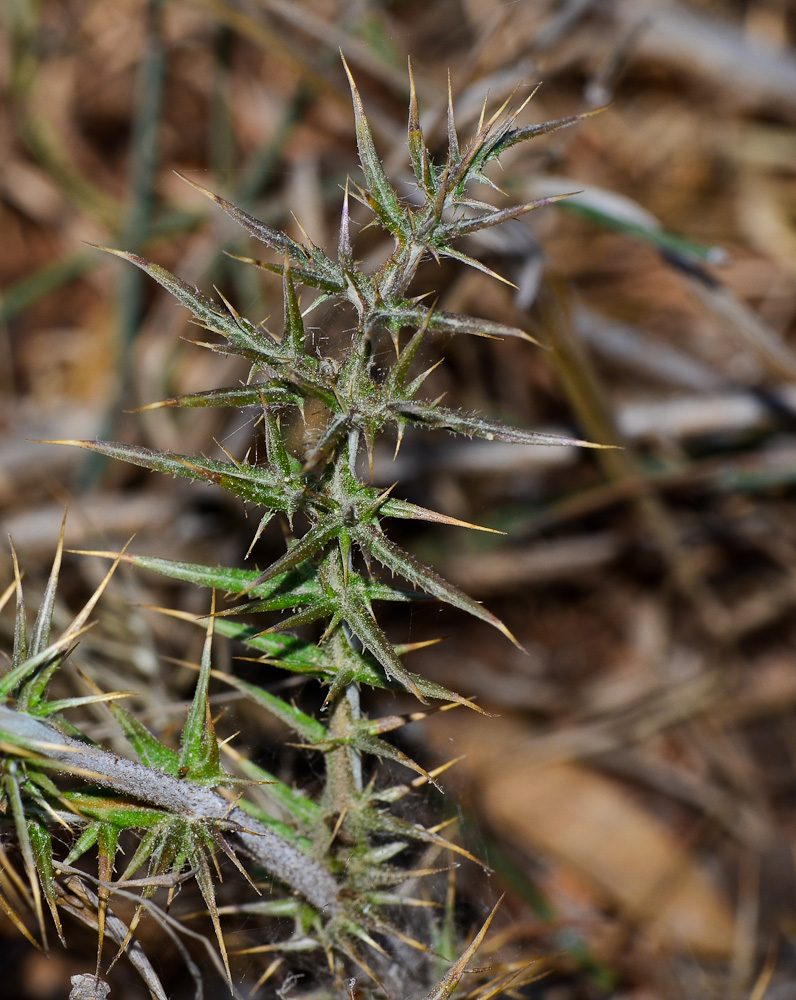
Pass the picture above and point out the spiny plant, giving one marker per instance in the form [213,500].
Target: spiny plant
[331,864]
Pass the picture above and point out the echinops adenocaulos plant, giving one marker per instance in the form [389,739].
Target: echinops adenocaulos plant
[330,864]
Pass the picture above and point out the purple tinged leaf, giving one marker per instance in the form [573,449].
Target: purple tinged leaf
[192,298]
[331,284]
[344,249]
[251,335]
[471,425]
[466,226]
[448,251]
[273,238]
[418,154]
[446,322]
[514,136]
[240,332]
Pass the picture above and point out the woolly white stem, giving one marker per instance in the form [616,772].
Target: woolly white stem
[280,858]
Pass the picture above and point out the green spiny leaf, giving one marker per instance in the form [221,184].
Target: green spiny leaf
[445,987]
[330,285]
[399,372]
[516,135]
[105,809]
[42,849]
[302,657]
[54,653]
[192,298]
[313,611]
[22,826]
[307,546]
[365,627]
[294,325]
[384,200]
[231,580]
[406,314]
[62,704]
[454,153]
[250,482]
[305,725]
[399,561]
[148,748]
[418,153]
[204,879]
[463,227]
[243,335]
[302,808]
[471,425]
[273,238]
[275,449]
[446,250]
[199,760]
[41,629]
[20,622]
[272,393]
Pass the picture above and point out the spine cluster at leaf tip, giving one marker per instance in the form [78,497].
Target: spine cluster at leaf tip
[336,857]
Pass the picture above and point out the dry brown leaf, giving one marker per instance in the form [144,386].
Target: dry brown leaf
[592,824]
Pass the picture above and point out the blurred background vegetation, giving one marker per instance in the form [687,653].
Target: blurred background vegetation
[637,795]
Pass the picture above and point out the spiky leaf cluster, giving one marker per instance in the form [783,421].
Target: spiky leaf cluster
[339,857]
[54,781]
[319,577]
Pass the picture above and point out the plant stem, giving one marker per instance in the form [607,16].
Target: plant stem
[281,859]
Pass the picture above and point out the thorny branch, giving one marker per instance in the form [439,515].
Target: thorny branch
[284,861]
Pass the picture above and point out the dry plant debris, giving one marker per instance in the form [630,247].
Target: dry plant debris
[655,590]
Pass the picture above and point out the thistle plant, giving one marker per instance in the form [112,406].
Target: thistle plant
[330,864]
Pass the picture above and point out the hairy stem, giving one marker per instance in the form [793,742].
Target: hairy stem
[284,861]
